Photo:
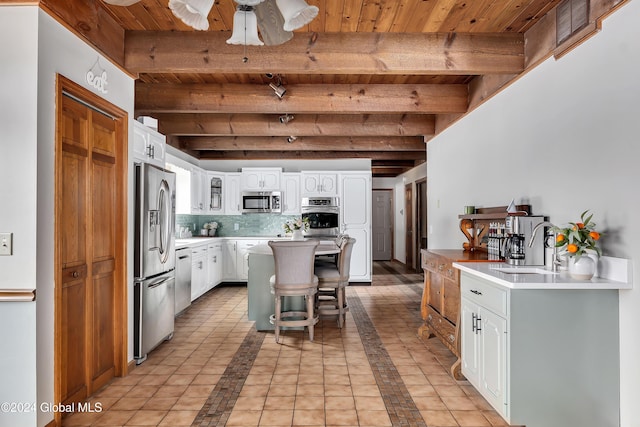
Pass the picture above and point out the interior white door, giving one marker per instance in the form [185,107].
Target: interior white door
[381,225]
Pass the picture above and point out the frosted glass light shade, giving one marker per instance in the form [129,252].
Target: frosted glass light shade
[192,12]
[296,13]
[249,2]
[245,28]
[121,2]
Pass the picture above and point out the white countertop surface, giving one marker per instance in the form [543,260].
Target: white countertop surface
[322,249]
[196,241]
[560,280]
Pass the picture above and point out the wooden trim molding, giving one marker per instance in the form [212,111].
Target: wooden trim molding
[17,295]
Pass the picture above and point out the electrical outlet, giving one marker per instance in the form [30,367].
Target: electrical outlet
[236,227]
[6,243]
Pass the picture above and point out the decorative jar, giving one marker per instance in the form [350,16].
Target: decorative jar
[297,235]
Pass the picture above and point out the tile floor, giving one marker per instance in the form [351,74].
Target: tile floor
[217,370]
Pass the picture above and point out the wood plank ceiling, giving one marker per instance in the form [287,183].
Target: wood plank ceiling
[365,79]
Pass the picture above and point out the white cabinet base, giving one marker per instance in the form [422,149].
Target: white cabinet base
[561,362]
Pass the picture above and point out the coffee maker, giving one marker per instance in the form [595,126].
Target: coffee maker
[516,248]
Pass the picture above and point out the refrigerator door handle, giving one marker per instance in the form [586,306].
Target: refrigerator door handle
[164,205]
[159,282]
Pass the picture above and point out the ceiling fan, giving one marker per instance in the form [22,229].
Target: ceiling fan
[276,19]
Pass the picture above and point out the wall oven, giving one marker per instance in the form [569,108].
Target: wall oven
[261,202]
[323,214]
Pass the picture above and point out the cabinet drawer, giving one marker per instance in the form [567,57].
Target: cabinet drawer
[485,294]
[444,329]
[440,265]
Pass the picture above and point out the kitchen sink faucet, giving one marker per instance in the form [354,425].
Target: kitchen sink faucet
[554,261]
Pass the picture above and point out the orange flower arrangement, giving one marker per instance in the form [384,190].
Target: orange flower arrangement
[578,236]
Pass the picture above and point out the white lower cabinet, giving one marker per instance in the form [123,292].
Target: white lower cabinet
[542,357]
[198,271]
[484,337]
[229,269]
[214,264]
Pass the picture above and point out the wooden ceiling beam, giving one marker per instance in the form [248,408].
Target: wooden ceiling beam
[327,53]
[301,125]
[418,156]
[158,98]
[307,143]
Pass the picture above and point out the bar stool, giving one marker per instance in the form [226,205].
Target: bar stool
[332,282]
[294,278]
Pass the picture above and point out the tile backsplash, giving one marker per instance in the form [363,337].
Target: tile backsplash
[250,225]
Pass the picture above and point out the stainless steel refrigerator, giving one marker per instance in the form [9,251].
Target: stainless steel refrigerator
[154,258]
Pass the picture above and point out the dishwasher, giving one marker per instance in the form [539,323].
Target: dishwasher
[183,279]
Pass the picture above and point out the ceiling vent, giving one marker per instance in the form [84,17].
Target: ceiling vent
[571,17]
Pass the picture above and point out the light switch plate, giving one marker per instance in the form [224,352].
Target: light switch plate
[6,243]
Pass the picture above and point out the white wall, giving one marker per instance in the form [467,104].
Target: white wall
[61,52]
[34,47]
[564,139]
[18,77]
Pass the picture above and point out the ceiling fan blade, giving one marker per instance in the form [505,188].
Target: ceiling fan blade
[271,23]
[121,2]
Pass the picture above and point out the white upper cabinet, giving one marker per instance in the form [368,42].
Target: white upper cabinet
[148,145]
[319,183]
[214,193]
[261,179]
[198,184]
[232,194]
[291,193]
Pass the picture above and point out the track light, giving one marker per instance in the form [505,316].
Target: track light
[290,139]
[278,89]
[286,118]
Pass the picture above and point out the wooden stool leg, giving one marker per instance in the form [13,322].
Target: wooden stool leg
[340,293]
[310,309]
[276,323]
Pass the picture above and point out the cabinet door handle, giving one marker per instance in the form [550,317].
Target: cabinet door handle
[473,291]
[75,274]
[473,322]
[479,323]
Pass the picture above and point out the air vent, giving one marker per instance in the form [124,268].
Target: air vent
[571,17]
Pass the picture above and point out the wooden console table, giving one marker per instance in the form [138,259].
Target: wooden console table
[440,306]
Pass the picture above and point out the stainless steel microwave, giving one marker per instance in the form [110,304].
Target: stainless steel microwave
[261,202]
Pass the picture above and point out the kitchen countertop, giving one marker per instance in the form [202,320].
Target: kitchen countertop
[560,280]
[197,240]
[322,249]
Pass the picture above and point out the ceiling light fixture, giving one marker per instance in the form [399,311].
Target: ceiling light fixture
[286,118]
[121,2]
[296,13]
[279,90]
[291,139]
[245,27]
[192,12]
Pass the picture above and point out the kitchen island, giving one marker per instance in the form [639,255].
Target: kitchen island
[541,347]
[261,303]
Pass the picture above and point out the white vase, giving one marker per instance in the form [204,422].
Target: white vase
[297,235]
[582,268]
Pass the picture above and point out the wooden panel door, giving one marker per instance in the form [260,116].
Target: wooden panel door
[103,254]
[73,253]
[91,250]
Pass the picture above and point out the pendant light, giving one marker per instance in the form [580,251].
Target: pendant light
[192,12]
[245,27]
[296,13]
